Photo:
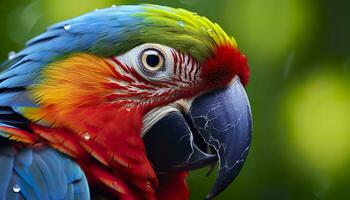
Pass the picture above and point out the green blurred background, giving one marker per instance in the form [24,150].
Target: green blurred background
[299,54]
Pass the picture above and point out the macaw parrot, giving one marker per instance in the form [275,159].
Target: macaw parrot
[122,103]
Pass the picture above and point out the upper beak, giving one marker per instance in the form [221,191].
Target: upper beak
[222,118]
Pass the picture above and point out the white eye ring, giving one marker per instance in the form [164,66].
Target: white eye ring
[152,60]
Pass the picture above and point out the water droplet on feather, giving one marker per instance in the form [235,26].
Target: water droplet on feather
[11,55]
[87,136]
[181,23]
[67,26]
[16,188]
[149,186]
[115,184]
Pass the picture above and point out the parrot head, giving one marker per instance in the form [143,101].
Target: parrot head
[137,95]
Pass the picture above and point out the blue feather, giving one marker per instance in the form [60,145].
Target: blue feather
[40,174]
[81,189]
[15,182]
[31,180]
[18,81]
[26,190]
[70,192]
[97,32]
[57,185]
[45,36]
[24,158]
[7,161]
[19,98]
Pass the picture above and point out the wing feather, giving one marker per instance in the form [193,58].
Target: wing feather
[40,174]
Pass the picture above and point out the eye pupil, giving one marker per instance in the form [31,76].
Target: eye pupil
[152,60]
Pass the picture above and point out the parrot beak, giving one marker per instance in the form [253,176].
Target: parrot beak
[221,118]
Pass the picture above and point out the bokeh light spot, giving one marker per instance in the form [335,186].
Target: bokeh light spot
[269,28]
[56,10]
[318,111]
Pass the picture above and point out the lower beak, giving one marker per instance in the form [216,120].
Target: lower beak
[223,120]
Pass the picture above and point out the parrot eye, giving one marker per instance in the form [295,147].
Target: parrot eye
[152,60]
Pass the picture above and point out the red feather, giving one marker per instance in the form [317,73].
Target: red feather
[173,187]
[225,63]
